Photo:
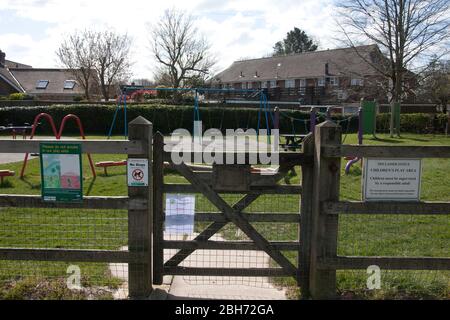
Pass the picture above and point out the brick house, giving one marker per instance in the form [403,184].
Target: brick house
[319,77]
[40,83]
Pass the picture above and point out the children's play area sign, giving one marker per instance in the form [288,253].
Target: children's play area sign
[392,179]
[61,172]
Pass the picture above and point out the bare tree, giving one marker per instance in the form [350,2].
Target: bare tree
[143,82]
[162,77]
[111,59]
[77,53]
[96,58]
[406,31]
[179,49]
[435,83]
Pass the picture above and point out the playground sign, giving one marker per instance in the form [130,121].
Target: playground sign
[61,174]
[392,179]
[137,172]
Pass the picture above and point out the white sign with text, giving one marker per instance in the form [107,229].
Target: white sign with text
[180,210]
[392,179]
[137,170]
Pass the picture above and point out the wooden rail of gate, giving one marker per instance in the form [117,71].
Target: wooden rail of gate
[138,203]
[200,182]
[327,207]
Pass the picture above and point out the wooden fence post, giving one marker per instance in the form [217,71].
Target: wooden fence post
[140,222]
[158,208]
[304,258]
[324,227]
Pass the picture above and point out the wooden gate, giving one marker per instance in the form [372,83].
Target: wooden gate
[247,181]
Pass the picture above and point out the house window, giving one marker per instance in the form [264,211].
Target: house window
[289,83]
[334,81]
[341,95]
[273,83]
[69,84]
[357,82]
[249,85]
[243,85]
[263,84]
[302,83]
[321,82]
[42,84]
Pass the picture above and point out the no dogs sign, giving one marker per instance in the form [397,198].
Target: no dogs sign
[137,172]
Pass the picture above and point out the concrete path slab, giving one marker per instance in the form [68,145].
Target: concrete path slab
[12,157]
[18,157]
[196,287]
[231,288]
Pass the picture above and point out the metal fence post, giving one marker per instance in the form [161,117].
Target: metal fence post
[140,222]
[324,227]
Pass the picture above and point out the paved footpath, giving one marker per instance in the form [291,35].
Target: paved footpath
[12,157]
[17,157]
[227,288]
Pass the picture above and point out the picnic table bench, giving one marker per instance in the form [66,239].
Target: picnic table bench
[293,141]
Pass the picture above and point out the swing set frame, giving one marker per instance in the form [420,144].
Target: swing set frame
[264,106]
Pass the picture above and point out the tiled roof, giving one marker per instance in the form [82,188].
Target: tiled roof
[7,76]
[13,64]
[28,78]
[345,61]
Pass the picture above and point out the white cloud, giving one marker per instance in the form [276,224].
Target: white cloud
[235,28]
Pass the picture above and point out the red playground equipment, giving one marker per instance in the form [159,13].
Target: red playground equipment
[57,135]
[106,164]
[5,173]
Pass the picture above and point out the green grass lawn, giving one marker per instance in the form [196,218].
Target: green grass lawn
[405,235]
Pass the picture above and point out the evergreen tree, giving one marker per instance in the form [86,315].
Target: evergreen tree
[296,41]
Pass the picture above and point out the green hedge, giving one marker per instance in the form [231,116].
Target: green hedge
[414,123]
[166,118]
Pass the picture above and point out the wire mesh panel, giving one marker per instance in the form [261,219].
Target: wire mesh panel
[395,235]
[205,216]
[43,228]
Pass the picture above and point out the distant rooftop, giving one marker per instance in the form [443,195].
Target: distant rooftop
[13,64]
[31,79]
[342,61]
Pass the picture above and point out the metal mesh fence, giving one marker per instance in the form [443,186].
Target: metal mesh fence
[394,235]
[239,258]
[42,228]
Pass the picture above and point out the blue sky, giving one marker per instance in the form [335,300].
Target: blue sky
[31,30]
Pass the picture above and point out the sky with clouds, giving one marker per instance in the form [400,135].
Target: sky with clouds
[31,30]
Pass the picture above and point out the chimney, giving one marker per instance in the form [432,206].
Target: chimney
[2,59]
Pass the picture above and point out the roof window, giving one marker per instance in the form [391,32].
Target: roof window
[42,84]
[69,84]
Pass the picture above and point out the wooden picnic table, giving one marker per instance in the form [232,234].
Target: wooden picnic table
[293,141]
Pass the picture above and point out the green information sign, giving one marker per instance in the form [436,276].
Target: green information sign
[61,172]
